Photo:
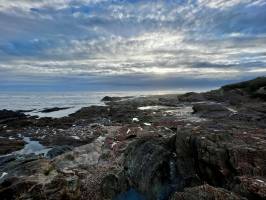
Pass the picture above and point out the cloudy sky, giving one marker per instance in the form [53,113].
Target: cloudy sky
[136,44]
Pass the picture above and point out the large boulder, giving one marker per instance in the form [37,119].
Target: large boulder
[233,161]
[151,169]
[211,110]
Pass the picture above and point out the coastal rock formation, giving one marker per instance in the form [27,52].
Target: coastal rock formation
[49,110]
[208,145]
[211,110]
[205,192]
[151,168]
[10,145]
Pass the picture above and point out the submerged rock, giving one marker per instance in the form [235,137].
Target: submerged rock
[54,109]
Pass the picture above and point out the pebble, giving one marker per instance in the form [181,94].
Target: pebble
[3,175]
[113,144]
[147,124]
[135,120]
[75,137]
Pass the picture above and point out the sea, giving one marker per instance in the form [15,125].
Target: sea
[35,102]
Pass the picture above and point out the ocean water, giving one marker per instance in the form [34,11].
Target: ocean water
[75,100]
[33,147]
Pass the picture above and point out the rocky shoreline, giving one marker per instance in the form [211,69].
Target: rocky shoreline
[208,145]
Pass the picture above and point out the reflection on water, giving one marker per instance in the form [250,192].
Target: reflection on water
[37,101]
[33,147]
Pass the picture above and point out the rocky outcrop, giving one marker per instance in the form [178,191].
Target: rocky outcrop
[33,178]
[205,192]
[151,169]
[9,115]
[192,97]
[219,158]
[251,86]
[108,98]
[10,145]
[211,110]
[251,187]
[153,147]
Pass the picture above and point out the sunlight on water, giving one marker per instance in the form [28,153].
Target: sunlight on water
[37,101]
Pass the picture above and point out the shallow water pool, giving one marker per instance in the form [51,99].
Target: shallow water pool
[33,147]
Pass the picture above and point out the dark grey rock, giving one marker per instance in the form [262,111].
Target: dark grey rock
[56,151]
[54,109]
[205,192]
[151,169]
[211,110]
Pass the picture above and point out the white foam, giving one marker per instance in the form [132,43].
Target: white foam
[152,107]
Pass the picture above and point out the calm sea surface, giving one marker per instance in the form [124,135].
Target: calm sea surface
[74,100]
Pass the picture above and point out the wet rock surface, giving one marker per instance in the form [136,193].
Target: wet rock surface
[10,145]
[194,146]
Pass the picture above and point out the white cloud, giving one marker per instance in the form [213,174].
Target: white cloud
[207,38]
[223,4]
[155,53]
[58,4]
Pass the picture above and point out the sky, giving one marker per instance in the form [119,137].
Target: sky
[54,45]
